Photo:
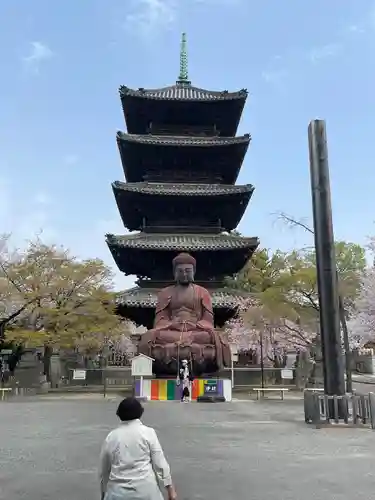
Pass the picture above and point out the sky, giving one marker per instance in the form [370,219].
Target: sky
[63,61]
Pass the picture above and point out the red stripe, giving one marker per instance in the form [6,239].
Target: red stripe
[154,390]
[195,389]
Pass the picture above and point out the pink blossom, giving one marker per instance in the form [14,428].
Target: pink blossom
[276,336]
[361,325]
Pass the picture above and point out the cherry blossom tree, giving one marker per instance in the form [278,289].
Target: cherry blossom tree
[254,326]
[12,304]
[361,324]
[362,319]
[271,338]
[122,349]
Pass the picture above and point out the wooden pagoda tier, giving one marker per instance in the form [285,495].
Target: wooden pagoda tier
[165,207]
[162,158]
[138,304]
[153,110]
[150,255]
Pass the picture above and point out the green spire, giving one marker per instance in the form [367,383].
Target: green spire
[183,76]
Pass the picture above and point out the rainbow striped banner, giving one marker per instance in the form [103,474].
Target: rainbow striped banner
[168,390]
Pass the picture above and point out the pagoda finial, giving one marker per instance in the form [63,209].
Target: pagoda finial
[183,77]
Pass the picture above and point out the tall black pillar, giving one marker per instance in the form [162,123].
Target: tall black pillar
[334,382]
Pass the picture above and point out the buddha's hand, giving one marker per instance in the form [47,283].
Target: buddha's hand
[163,325]
[176,325]
[187,326]
[204,327]
[181,325]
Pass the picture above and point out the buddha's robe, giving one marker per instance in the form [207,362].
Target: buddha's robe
[184,327]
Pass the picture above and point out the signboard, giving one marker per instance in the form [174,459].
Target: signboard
[210,388]
[233,348]
[142,366]
[287,374]
[234,352]
[6,352]
[79,374]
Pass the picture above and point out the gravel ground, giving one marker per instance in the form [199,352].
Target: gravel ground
[244,450]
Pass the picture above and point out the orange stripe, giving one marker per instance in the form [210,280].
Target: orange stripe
[195,389]
[154,390]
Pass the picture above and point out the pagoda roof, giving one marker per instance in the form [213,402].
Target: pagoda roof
[150,254]
[181,242]
[138,304]
[147,297]
[157,157]
[167,140]
[194,203]
[182,189]
[182,104]
[182,92]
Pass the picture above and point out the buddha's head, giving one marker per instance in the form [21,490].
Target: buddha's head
[184,268]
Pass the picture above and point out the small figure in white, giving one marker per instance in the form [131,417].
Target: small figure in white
[185,380]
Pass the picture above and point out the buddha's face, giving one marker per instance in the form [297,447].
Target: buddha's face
[184,274]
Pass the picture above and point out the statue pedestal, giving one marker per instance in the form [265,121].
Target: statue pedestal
[167,389]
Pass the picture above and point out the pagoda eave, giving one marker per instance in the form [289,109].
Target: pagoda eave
[148,255]
[180,92]
[178,190]
[181,141]
[181,242]
[156,159]
[140,202]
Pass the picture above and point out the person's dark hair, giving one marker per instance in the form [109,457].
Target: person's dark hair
[129,409]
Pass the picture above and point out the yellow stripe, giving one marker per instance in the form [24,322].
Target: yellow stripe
[201,387]
[162,390]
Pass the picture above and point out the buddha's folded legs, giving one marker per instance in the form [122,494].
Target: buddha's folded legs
[205,349]
[169,351]
[171,336]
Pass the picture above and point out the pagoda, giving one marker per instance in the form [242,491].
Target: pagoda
[181,159]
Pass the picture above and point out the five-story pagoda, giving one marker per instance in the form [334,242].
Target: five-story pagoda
[181,159]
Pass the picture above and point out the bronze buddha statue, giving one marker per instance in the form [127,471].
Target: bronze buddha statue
[184,326]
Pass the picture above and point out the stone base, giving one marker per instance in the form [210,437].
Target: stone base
[141,399]
[168,369]
[168,390]
[211,399]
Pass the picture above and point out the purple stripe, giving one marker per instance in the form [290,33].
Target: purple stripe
[220,387]
[137,388]
[177,392]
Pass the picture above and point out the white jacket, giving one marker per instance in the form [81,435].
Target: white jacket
[131,463]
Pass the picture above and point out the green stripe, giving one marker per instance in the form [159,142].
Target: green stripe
[170,390]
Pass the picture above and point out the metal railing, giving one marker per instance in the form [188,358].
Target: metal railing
[350,409]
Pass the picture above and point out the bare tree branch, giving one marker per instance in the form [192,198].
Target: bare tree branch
[291,221]
[310,298]
[10,279]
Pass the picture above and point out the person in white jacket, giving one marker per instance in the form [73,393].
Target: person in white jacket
[132,462]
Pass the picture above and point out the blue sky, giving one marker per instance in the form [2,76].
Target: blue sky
[63,61]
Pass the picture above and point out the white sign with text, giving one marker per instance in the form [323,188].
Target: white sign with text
[287,374]
[79,374]
[142,366]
